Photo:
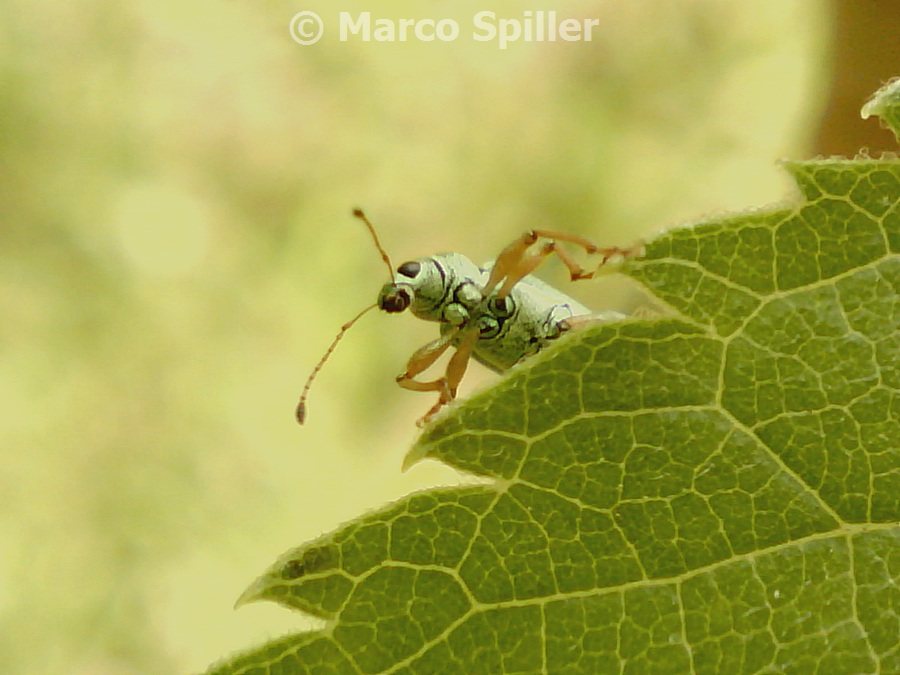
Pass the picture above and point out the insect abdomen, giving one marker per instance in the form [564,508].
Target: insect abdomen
[535,321]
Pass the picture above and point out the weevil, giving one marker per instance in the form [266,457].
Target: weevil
[498,314]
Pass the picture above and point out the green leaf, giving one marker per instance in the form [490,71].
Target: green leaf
[713,490]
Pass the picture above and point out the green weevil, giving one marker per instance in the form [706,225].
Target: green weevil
[498,313]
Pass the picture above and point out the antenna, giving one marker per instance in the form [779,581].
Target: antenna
[301,405]
[384,256]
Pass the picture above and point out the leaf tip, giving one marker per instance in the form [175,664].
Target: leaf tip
[416,453]
[251,594]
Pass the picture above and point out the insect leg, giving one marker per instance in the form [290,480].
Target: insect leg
[586,244]
[525,266]
[576,271]
[512,264]
[456,369]
[509,258]
[421,360]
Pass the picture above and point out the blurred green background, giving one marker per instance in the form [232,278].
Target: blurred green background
[178,251]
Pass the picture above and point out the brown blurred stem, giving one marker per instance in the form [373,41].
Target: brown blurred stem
[866,54]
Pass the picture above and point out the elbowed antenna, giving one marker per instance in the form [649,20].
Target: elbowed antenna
[301,405]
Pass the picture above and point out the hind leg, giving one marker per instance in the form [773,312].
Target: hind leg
[514,262]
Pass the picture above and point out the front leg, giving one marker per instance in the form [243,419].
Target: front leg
[456,368]
[421,360]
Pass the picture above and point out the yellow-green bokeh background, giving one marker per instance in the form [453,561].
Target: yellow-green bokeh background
[177,251]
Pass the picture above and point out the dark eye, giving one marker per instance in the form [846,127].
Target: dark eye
[409,269]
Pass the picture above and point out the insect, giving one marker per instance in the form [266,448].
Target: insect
[498,314]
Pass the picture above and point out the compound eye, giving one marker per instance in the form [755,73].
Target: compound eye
[409,269]
[394,300]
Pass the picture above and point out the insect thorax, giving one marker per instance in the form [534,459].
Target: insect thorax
[446,288]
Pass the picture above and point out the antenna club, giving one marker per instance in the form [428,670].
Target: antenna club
[358,213]
[301,413]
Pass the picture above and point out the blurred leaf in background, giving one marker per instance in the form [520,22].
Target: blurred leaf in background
[864,54]
[177,251]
